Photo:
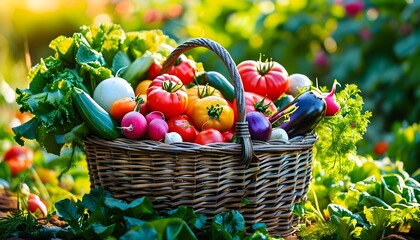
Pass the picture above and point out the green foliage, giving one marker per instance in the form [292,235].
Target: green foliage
[317,38]
[404,146]
[18,222]
[100,216]
[384,203]
[92,54]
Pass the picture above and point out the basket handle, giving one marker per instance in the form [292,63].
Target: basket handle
[242,131]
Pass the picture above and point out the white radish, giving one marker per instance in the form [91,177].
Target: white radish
[134,125]
[279,133]
[172,137]
[298,83]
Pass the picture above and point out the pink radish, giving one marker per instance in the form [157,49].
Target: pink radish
[332,106]
[154,115]
[157,129]
[134,125]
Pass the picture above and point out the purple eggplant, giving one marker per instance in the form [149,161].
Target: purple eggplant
[301,115]
[259,126]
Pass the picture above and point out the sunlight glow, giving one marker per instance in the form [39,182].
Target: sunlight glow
[372,14]
[266,7]
[43,5]
[330,44]
[102,18]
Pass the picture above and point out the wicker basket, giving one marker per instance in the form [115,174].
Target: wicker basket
[8,200]
[263,180]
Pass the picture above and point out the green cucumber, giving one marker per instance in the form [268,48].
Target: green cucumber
[218,81]
[96,118]
[137,70]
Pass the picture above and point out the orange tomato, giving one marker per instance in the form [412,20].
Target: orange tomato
[142,87]
[121,107]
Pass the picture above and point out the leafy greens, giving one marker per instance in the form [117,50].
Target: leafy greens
[83,60]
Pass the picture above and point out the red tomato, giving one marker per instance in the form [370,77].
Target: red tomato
[228,135]
[168,95]
[183,126]
[256,103]
[19,158]
[209,135]
[264,78]
[184,69]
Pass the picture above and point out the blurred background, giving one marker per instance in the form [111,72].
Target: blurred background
[374,44]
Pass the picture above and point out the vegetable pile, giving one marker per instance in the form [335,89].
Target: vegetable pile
[107,82]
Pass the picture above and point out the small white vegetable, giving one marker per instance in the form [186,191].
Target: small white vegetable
[172,137]
[297,83]
[279,133]
[110,90]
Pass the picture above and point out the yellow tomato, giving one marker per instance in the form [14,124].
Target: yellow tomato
[141,88]
[198,92]
[213,112]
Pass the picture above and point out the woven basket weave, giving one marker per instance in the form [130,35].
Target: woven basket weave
[263,180]
[8,200]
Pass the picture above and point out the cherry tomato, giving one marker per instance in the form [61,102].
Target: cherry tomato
[183,126]
[184,69]
[267,78]
[209,135]
[142,100]
[228,135]
[213,112]
[168,95]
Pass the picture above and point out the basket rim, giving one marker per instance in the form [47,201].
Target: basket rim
[295,144]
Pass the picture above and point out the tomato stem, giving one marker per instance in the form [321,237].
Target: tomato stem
[171,86]
[260,107]
[264,67]
[214,112]
[206,91]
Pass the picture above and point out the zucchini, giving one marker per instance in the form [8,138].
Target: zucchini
[218,81]
[96,118]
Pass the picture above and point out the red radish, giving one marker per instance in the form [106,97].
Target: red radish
[34,204]
[154,115]
[332,106]
[33,196]
[134,125]
[157,129]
